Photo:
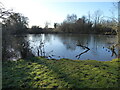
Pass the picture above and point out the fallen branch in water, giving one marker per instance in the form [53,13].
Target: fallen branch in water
[112,48]
[84,51]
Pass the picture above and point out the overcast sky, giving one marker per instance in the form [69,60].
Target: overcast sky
[41,11]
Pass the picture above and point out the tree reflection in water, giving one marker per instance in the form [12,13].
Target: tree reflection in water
[65,45]
[15,47]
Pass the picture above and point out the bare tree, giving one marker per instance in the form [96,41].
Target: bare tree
[71,18]
[97,17]
[55,25]
[3,12]
[89,17]
[47,24]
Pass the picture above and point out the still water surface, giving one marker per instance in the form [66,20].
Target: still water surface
[65,46]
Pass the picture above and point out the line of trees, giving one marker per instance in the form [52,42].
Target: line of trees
[16,23]
[87,24]
[35,30]
[72,24]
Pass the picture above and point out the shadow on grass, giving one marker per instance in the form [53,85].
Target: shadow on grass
[42,73]
[83,74]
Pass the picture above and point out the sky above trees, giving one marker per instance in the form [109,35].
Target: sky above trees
[41,11]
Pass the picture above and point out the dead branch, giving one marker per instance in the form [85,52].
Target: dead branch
[78,56]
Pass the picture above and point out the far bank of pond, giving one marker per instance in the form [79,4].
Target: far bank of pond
[39,72]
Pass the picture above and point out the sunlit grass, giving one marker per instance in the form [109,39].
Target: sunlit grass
[43,73]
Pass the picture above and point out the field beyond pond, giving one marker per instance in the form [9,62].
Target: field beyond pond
[39,72]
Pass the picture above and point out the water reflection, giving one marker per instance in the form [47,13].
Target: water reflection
[65,45]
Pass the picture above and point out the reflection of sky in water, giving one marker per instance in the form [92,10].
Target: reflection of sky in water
[64,45]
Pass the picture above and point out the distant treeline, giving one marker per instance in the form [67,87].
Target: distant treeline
[81,25]
[16,23]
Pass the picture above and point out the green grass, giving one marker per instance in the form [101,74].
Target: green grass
[39,72]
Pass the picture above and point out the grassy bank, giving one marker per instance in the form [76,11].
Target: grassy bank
[42,73]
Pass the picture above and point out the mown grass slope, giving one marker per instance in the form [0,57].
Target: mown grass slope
[39,72]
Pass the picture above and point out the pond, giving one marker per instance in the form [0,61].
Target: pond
[74,46]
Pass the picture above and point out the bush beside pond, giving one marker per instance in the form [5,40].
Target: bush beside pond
[39,72]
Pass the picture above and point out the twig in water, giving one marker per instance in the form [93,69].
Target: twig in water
[78,56]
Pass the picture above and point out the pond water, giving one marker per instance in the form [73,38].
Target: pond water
[70,45]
